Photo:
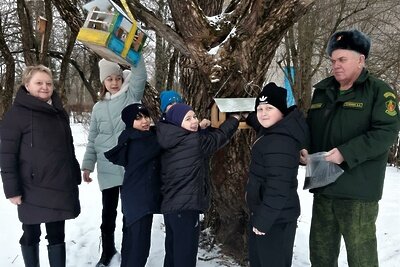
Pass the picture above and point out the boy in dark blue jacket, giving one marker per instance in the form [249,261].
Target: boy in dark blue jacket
[139,152]
[185,179]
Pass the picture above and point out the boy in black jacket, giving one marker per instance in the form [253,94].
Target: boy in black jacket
[271,192]
[138,151]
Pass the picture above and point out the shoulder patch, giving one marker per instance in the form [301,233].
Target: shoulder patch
[390,108]
[389,94]
[317,105]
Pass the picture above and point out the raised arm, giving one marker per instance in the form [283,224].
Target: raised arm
[216,138]
[137,81]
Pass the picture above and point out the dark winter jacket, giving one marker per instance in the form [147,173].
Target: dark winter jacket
[185,164]
[38,160]
[362,123]
[139,152]
[271,191]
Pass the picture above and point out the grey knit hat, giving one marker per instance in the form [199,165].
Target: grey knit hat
[108,68]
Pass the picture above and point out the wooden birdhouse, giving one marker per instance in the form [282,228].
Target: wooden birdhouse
[223,106]
[41,24]
[112,34]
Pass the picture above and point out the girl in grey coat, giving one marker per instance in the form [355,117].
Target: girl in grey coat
[120,88]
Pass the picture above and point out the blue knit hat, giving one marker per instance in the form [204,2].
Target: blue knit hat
[176,113]
[168,97]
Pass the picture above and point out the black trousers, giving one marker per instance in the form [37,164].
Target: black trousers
[136,241]
[182,231]
[275,248]
[55,233]
[110,198]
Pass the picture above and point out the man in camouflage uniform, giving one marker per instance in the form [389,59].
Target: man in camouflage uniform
[355,118]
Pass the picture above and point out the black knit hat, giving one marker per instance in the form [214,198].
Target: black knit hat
[273,95]
[349,40]
[133,112]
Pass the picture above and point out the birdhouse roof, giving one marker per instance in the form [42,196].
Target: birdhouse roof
[104,5]
[235,104]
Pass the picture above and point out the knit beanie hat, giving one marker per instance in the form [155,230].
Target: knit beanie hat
[176,113]
[168,97]
[108,68]
[133,112]
[273,95]
[349,40]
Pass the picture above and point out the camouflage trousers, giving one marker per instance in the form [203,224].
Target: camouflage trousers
[352,219]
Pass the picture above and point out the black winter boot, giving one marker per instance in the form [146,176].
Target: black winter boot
[31,255]
[56,255]
[108,250]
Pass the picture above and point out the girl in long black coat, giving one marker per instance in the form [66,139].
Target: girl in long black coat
[139,152]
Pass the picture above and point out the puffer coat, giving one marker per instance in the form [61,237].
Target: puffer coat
[185,164]
[139,153]
[106,125]
[37,160]
[271,191]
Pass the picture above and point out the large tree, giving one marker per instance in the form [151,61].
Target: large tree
[225,51]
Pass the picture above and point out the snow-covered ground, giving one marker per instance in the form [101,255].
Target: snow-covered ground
[83,233]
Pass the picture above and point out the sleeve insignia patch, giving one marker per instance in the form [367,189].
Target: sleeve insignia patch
[390,108]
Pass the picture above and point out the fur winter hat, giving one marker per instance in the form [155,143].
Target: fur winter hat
[350,40]
[168,97]
[133,112]
[176,113]
[108,68]
[273,95]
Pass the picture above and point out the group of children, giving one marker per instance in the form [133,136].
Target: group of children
[166,171]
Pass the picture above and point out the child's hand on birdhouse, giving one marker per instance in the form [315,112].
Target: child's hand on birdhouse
[204,123]
[236,116]
[244,115]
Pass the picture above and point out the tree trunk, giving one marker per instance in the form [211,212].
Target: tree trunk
[237,70]
[44,42]
[28,39]
[65,66]
[6,87]
[171,69]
